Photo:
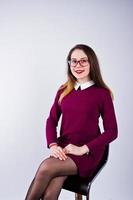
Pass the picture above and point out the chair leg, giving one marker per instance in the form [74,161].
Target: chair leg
[78,196]
[87,197]
[88,193]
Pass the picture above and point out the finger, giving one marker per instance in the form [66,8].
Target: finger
[62,154]
[58,153]
[67,150]
[60,158]
[55,155]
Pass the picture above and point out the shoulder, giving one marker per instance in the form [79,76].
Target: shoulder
[102,93]
[60,89]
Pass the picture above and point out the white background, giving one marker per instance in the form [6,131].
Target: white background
[35,38]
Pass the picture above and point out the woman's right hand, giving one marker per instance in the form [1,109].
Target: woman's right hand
[57,152]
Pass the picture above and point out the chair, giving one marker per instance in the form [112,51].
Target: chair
[81,186]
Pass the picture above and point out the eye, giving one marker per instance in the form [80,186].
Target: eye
[73,61]
[84,61]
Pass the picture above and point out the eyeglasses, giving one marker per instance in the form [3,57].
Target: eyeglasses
[73,62]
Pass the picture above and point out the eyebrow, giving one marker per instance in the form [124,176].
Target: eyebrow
[80,58]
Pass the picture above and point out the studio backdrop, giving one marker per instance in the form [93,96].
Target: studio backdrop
[35,38]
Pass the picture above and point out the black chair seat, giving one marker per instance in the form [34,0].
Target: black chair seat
[76,184]
[82,185]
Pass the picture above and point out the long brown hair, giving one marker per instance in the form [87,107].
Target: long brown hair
[95,73]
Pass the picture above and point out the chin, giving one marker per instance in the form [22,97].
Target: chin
[80,77]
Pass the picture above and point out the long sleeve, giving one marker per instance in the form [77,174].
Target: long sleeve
[109,124]
[52,121]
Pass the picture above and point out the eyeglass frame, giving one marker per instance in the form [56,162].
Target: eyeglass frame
[78,61]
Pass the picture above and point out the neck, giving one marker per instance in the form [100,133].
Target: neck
[83,80]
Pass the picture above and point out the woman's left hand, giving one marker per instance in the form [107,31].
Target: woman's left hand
[76,150]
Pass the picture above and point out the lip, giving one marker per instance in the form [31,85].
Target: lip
[79,71]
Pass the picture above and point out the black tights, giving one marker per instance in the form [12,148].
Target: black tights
[49,179]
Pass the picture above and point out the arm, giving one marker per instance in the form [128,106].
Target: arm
[109,123]
[52,121]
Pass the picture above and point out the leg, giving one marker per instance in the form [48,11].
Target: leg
[53,190]
[49,168]
[29,190]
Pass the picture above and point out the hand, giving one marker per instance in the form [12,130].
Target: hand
[76,150]
[57,152]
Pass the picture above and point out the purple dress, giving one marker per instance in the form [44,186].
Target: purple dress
[80,111]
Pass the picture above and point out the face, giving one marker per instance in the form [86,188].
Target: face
[79,66]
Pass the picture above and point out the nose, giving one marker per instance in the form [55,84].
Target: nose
[78,64]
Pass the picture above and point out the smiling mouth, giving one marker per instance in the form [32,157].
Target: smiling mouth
[79,71]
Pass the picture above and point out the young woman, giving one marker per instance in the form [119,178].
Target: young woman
[81,101]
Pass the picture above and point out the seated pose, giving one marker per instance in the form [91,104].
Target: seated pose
[81,100]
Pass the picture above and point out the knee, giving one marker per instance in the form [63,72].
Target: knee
[44,169]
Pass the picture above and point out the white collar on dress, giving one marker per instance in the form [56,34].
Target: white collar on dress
[83,85]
